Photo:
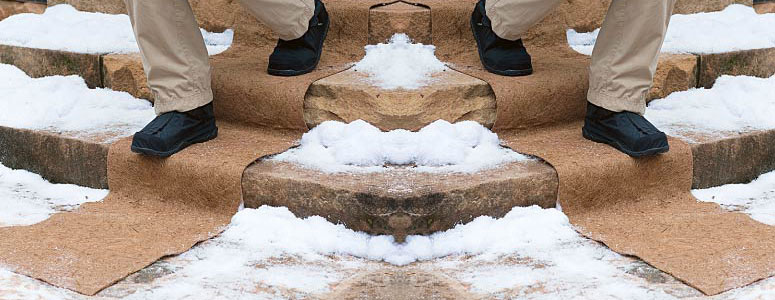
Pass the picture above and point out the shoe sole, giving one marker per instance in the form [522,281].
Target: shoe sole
[179,147]
[288,73]
[510,73]
[598,138]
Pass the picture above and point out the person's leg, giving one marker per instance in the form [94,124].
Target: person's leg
[301,25]
[498,26]
[177,65]
[621,73]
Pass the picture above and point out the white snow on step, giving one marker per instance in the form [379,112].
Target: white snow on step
[26,198]
[66,104]
[359,147]
[734,104]
[62,27]
[400,64]
[738,27]
[756,198]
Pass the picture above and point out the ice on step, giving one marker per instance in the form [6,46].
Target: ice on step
[66,104]
[756,198]
[26,198]
[439,147]
[734,104]
[400,64]
[738,27]
[62,27]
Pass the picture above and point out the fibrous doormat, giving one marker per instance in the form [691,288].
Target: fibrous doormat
[163,207]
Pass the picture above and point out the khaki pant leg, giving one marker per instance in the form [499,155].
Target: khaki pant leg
[625,56]
[511,18]
[174,55]
[287,18]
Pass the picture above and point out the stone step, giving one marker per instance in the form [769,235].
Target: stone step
[12,7]
[403,202]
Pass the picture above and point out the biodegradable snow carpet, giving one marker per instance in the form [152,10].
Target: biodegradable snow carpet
[163,207]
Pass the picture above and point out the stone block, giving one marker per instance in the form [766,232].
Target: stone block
[400,17]
[675,72]
[348,96]
[400,202]
[43,62]
[758,62]
[9,8]
[56,157]
[124,72]
[697,6]
[765,7]
[732,158]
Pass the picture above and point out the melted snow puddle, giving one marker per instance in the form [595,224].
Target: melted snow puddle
[738,27]
[359,147]
[64,104]
[62,27]
[735,104]
[400,64]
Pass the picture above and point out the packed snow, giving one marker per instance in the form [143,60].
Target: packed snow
[733,104]
[400,64]
[62,27]
[66,104]
[26,198]
[756,198]
[359,147]
[738,27]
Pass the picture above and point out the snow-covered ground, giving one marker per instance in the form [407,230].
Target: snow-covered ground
[62,27]
[66,104]
[738,27]
[359,147]
[26,198]
[756,198]
[734,104]
[400,64]
[268,253]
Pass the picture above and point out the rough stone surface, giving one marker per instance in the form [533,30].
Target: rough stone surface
[124,72]
[56,157]
[696,6]
[400,202]
[9,8]
[765,8]
[758,62]
[675,72]
[103,6]
[400,17]
[347,96]
[735,158]
[400,283]
[43,62]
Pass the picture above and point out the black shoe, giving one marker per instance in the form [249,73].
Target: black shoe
[628,132]
[301,56]
[173,131]
[499,56]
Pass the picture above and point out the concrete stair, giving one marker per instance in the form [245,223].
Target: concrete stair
[399,202]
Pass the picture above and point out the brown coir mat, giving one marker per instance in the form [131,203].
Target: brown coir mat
[641,207]
[160,207]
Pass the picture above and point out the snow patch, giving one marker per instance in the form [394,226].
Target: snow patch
[756,198]
[738,27]
[734,104]
[26,198]
[359,147]
[400,64]
[66,104]
[62,27]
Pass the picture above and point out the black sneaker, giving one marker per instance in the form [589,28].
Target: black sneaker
[628,132]
[499,56]
[174,131]
[301,56]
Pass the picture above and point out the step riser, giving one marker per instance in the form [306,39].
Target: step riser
[43,62]
[733,160]
[9,8]
[56,158]
[757,62]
